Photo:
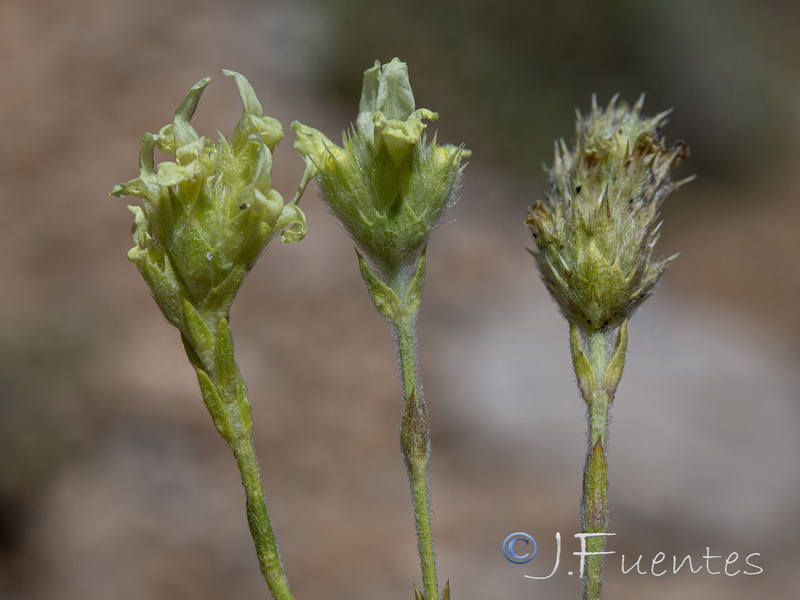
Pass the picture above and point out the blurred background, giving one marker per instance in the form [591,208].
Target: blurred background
[113,482]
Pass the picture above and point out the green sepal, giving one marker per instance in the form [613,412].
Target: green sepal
[613,373]
[215,407]
[227,371]
[385,299]
[199,335]
[418,595]
[583,368]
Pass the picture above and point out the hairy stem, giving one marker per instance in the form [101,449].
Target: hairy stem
[209,347]
[598,358]
[259,521]
[415,443]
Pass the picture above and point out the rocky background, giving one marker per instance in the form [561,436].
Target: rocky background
[113,483]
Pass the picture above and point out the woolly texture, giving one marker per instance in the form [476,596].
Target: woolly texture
[387,185]
[596,229]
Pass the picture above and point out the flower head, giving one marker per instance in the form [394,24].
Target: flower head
[208,214]
[386,184]
[596,230]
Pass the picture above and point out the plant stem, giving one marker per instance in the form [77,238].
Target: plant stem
[259,521]
[594,508]
[210,350]
[598,358]
[415,443]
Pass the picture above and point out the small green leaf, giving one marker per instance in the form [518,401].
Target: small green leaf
[415,433]
[198,335]
[245,408]
[385,299]
[227,371]
[596,488]
[418,595]
[613,373]
[220,298]
[215,407]
[413,296]
[162,282]
[446,591]
[583,368]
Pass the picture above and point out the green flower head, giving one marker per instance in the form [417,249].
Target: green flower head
[387,184]
[597,228]
[207,215]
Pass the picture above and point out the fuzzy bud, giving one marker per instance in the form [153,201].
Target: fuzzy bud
[596,229]
[208,214]
[386,184]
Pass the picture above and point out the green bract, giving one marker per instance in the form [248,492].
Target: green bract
[387,185]
[208,214]
[596,230]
